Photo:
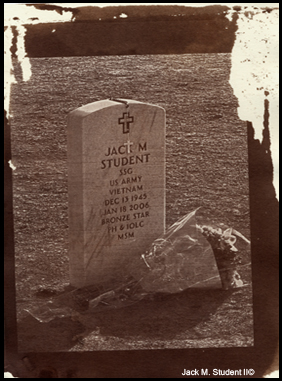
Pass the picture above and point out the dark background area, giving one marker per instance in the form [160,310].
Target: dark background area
[148,30]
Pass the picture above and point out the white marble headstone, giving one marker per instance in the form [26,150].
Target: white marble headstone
[116,186]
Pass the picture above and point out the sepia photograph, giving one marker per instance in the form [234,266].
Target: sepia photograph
[130,178]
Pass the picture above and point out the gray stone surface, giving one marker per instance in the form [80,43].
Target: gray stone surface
[116,186]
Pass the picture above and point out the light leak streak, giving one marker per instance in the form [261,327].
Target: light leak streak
[254,74]
[12,166]
[22,58]
[9,77]
[18,15]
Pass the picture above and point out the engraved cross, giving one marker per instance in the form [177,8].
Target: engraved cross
[125,121]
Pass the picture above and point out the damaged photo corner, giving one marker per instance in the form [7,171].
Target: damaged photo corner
[140,166]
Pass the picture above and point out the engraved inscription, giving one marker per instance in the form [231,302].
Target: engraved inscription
[126,205]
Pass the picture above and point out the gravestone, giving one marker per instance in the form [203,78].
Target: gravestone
[116,186]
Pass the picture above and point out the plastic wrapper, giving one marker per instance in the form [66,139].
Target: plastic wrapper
[186,256]
[88,299]
[181,258]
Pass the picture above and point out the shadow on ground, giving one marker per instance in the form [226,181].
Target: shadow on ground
[165,317]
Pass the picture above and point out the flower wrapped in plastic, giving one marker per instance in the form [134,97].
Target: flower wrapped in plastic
[180,259]
[227,256]
[186,256]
